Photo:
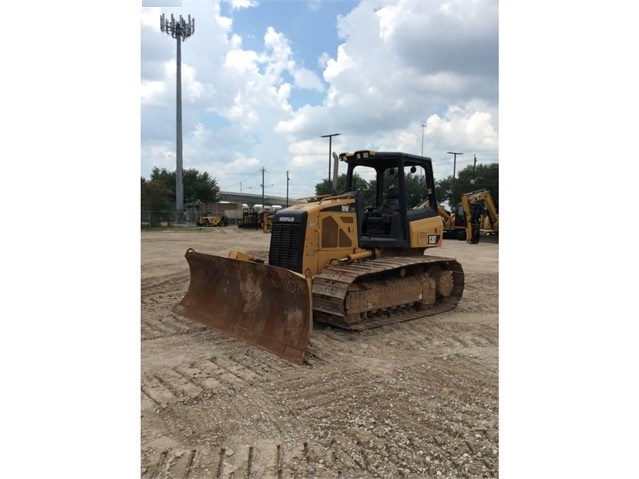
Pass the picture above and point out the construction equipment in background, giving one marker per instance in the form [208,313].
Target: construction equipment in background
[258,217]
[480,214]
[473,217]
[266,220]
[211,219]
[335,260]
[454,223]
[250,219]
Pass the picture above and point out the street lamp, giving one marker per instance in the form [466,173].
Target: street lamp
[330,153]
[454,153]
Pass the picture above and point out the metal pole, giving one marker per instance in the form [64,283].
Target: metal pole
[262,187]
[452,196]
[287,180]
[330,151]
[179,188]
[180,30]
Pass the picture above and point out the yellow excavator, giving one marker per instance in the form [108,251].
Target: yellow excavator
[479,213]
[335,260]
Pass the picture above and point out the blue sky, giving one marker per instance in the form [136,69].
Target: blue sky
[262,82]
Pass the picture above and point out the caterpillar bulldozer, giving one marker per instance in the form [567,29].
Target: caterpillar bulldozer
[335,260]
[211,219]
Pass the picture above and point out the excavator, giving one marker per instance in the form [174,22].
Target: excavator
[474,215]
[335,260]
[480,213]
[454,224]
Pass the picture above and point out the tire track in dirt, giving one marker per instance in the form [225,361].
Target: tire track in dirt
[218,374]
[417,399]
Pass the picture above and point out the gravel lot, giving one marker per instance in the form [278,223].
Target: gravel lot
[417,399]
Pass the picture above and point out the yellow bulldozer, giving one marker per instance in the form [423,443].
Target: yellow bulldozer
[211,219]
[335,260]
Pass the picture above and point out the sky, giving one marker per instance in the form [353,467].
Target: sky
[263,81]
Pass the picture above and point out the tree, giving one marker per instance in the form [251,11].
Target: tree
[324,188]
[157,194]
[158,200]
[471,178]
[415,188]
[359,184]
[197,186]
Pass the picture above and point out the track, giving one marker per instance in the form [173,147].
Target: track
[416,399]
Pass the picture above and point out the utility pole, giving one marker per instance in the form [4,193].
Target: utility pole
[452,195]
[474,163]
[330,155]
[180,30]
[262,185]
[287,180]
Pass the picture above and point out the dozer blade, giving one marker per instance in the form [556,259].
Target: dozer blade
[267,306]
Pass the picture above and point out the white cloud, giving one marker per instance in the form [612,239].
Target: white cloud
[152,92]
[395,67]
[239,4]
[307,80]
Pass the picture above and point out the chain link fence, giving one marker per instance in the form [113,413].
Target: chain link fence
[182,218]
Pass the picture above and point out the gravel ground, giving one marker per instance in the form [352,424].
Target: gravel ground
[417,399]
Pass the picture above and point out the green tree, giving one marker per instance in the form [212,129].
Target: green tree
[324,187]
[415,189]
[158,200]
[471,178]
[197,186]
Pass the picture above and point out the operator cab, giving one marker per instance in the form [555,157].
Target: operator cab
[388,185]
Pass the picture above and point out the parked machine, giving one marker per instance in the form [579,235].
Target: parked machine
[454,222]
[480,215]
[335,260]
[474,216]
[257,218]
[211,219]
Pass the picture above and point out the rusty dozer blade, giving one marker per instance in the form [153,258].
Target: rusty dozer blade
[267,306]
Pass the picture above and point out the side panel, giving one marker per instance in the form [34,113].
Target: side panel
[426,232]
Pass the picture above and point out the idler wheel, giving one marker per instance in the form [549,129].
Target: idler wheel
[445,282]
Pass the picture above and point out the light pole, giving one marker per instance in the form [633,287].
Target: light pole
[452,196]
[330,155]
[180,30]
[287,181]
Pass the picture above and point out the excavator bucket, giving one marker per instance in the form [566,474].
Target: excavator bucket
[267,306]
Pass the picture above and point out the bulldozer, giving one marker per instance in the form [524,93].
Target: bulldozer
[211,219]
[333,259]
